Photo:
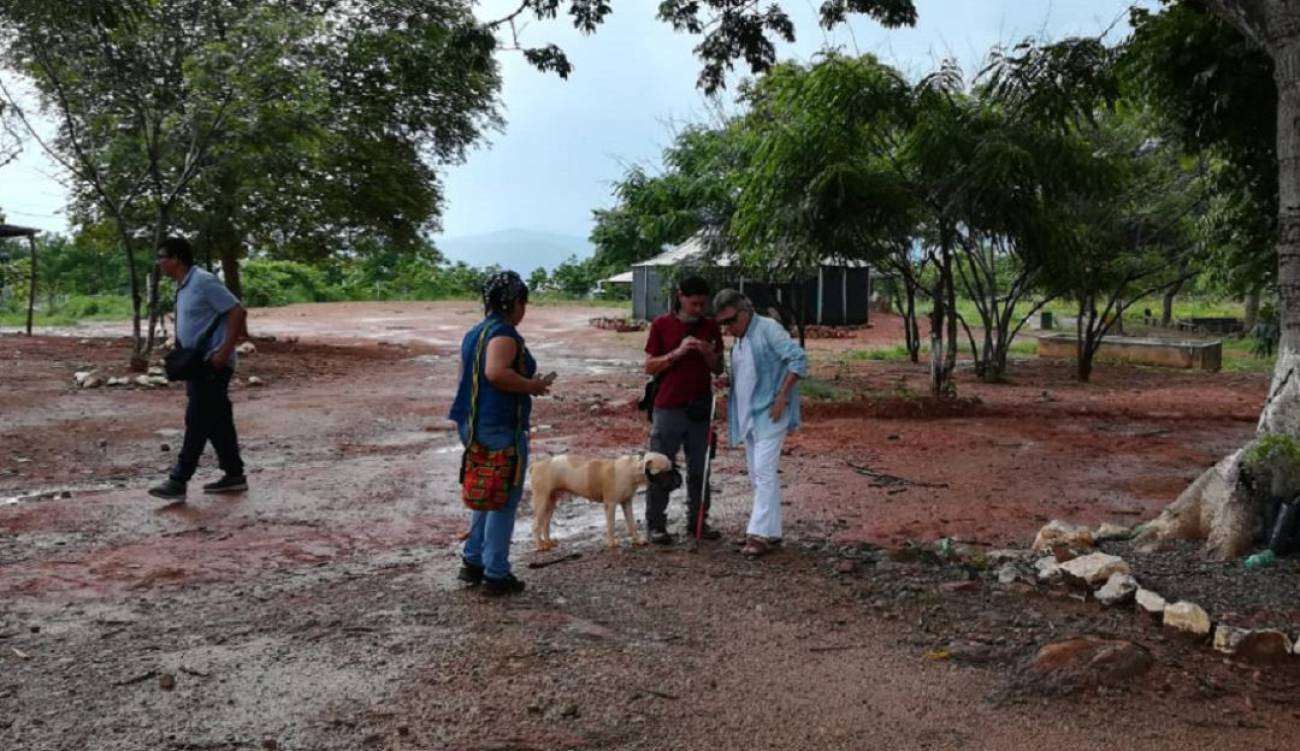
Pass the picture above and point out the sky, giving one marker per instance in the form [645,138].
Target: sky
[633,86]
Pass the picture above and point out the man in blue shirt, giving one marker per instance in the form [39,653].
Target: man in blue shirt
[202,302]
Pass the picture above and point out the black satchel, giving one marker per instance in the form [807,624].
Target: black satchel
[186,363]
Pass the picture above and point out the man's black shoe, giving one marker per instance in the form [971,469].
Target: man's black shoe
[470,574]
[709,533]
[506,586]
[659,537]
[168,489]
[227,484]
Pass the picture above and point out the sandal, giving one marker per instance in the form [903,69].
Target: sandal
[754,547]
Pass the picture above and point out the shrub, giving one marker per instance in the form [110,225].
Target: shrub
[273,283]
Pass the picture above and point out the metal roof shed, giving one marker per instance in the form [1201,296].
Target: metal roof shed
[836,294]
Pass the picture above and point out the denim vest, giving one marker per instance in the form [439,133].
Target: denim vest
[497,409]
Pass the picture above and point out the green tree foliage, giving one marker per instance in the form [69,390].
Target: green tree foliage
[1213,89]
[820,182]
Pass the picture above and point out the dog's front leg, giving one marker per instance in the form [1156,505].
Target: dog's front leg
[610,542]
[631,523]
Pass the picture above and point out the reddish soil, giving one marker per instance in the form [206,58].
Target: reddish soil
[320,609]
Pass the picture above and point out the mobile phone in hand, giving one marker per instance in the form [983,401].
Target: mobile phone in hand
[549,377]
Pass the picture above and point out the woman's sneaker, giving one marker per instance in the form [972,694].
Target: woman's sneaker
[508,585]
[227,484]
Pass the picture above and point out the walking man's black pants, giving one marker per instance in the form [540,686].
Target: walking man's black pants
[209,417]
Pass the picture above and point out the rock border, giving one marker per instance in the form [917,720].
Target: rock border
[1108,580]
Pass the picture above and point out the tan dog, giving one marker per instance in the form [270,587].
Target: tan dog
[612,482]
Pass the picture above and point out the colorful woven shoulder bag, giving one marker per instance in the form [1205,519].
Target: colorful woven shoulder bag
[487,476]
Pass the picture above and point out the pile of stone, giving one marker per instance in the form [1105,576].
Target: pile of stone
[621,325]
[90,379]
[1065,558]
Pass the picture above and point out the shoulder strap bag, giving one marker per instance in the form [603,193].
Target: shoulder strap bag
[488,476]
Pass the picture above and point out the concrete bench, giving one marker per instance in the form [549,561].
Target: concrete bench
[1167,353]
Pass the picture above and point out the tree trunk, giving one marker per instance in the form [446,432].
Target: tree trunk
[139,363]
[1252,310]
[31,285]
[1222,507]
[1167,306]
[235,283]
[913,331]
[943,325]
[1083,333]
[1281,413]
[230,270]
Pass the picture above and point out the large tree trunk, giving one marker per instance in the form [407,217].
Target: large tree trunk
[1223,506]
[234,282]
[230,270]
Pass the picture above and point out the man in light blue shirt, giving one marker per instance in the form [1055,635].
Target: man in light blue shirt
[766,366]
[204,307]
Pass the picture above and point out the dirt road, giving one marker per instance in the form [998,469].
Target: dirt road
[320,611]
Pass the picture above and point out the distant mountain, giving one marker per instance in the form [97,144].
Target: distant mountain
[519,249]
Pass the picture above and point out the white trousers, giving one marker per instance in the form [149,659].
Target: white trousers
[762,457]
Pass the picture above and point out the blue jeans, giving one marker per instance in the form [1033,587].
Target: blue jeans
[488,544]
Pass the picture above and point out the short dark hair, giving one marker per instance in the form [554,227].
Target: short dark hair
[693,285]
[179,249]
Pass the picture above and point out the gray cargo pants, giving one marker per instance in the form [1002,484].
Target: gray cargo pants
[672,430]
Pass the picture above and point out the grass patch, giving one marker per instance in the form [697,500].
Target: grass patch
[68,311]
[1238,357]
[1023,347]
[818,390]
[896,353]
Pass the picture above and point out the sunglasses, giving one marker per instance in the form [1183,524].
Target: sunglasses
[728,320]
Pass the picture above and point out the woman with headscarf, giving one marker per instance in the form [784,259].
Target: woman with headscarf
[493,403]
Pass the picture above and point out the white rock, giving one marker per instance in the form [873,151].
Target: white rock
[247,348]
[1118,590]
[1094,569]
[1150,602]
[142,380]
[1048,568]
[81,375]
[1057,532]
[1008,574]
[157,371]
[1187,617]
[92,382]
[255,381]
[158,381]
[1110,531]
[1262,644]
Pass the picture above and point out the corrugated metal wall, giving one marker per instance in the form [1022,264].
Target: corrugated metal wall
[845,293]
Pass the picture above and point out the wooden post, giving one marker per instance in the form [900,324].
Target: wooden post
[31,285]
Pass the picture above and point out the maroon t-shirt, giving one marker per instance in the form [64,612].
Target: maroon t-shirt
[689,378]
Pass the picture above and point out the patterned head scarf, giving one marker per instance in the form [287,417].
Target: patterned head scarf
[501,290]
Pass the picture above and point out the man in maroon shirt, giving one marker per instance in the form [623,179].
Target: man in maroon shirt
[683,352]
